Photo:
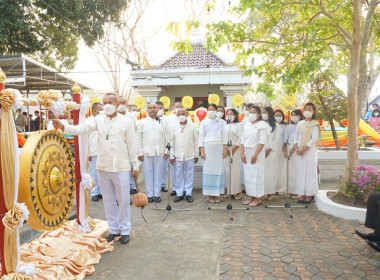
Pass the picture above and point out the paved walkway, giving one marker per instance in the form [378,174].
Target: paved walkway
[259,244]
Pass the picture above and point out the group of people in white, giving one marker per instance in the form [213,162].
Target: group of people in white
[118,142]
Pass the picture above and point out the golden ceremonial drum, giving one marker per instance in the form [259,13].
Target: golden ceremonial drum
[47,179]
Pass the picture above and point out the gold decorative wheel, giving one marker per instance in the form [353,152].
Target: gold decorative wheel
[47,179]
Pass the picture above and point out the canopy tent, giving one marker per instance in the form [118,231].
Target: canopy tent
[26,74]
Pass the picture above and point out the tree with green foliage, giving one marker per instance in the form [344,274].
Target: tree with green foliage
[292,41]
[50,30]
[331,103]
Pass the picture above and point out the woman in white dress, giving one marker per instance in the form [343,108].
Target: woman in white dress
[296,116]
[272,148]
[279,117]
[233,131]
[253,140]
[307,135]
[213,145]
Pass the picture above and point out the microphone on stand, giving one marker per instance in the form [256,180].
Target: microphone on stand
[158,119]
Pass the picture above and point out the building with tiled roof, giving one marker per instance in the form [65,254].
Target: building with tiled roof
[199,57]
[198,74]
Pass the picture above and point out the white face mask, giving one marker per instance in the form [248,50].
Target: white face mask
[219,115]
[182,118]
[121,108]
[101,113]
[230,118]
[252,117]
[246,114]
[278,119]
[160,113]
[307,114]
[265,117]
[109,109]
[295,119]
[211,114]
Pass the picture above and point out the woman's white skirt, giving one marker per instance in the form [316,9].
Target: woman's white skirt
[307,175]
[235,169]
[271,173]
[282,181]
[213,169]
[254,173]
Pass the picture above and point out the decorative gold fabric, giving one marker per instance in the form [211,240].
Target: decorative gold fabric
[16,276]
[66,253]
[11,220]
[7,148]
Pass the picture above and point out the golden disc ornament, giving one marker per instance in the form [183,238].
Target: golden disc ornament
[166,101]
[140,102]
[47,180]
[290,100]
[237,100]
[187,102]
[213,98]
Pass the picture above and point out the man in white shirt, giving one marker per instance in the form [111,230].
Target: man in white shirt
[116,149]
[184,154]
[161,114]
[173,119]
[122,109]
[92,152]
[152,139]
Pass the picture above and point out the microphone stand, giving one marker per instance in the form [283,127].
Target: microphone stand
[168,207]
[287,203]
[229,205]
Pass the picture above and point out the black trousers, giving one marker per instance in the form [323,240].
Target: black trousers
[372,219]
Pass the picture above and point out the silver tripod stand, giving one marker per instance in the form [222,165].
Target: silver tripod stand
[287,203]
[229,205]
[168,207]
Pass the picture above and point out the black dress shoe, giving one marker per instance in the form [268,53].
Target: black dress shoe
[369,236]
[178,198]
[189,198]
[111,237]
[164,189]
[173,193]
[374,245]
[95,198]
[132,191]
[157,199]
[150,199]
[124,239]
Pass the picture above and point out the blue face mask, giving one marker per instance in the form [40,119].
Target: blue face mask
[376,114]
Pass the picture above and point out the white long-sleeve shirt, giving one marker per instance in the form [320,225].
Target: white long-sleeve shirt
[233,131]
[151,140]
[212,130]
[184,141]
[274,141]
[92,141]
[314,136]
[116,142]
[133,119]
[254,134]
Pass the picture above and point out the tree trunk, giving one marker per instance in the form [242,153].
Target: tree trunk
[365,83]
[333,131]
[352,92]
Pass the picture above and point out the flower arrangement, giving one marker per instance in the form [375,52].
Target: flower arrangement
[365,181]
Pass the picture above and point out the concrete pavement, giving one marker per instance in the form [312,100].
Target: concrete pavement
[259,244]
